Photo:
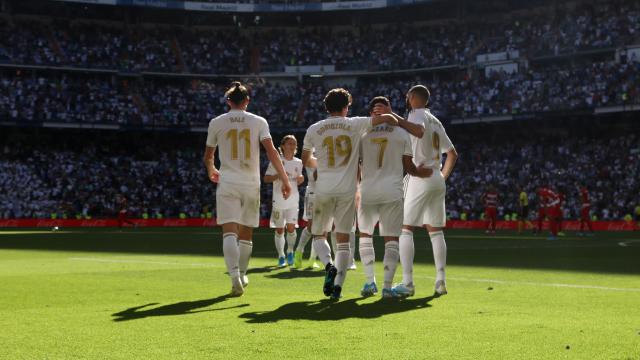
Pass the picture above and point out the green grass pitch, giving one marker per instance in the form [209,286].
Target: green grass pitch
[161,294]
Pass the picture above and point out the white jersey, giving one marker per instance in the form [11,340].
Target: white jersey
[428,150]
[293,168]
[237,135]
[336,141]
[311,182]
[382,150]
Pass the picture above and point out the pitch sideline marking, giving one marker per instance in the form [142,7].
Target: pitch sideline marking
[495,281]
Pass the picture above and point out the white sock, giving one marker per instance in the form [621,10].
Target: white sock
[334,239]
[231,254]
[352,248]
[245,247]
[407,252]
[291,240]
[305,235]
[323,250]
[279,239]
[342,263]
[313,255]
[368,258]
[439,253]
[390,262]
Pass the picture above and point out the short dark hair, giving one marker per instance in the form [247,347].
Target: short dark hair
[378,100]
[421,91]
[237,93]
[337,99]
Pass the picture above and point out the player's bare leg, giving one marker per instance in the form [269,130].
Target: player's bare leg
[231,251]
[439,246]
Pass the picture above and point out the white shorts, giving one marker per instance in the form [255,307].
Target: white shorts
[333,210]
[424,201]
[390,216]
[280,217]
[238,204]
[307,214]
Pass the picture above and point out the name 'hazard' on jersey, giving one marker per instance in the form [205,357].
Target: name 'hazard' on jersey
[428,150]
[336,141]
[382,149]
[237,135]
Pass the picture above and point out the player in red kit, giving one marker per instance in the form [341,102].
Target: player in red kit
[585,212]
[122,212]
[542,207]
[554,212]
[490,200]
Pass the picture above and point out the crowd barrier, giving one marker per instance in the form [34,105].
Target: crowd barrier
[570,225]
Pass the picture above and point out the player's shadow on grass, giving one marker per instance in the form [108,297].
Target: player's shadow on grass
[262,270]
[180,308]
[327,310]
[296,274]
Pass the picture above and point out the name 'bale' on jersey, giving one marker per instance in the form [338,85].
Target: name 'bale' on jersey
[237,135]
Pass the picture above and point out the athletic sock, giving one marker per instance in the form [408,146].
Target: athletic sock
[334,239]
[323,250]
[342,263]
[305,235]
[352,248]
[407,252]
[313,255]
[231,254]
[368,258]
[245,247]
[390,262]
[291,240]
[439,253]
[279,240]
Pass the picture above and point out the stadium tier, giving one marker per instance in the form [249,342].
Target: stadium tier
[73,65]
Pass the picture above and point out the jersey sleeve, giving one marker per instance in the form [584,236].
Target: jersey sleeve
[361,124]
[445,142]
[307,143]
[264,133]
[212,136]
[406,140]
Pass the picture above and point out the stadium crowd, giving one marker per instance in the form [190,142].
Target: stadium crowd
[162,48]
[167,179]
[66,98]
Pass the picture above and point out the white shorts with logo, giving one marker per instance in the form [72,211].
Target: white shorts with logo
[424,201]
[238,204]
[389,215]
[309,199]
[280,217]
[331,210]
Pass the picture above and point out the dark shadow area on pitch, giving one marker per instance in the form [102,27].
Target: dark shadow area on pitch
[600,254]
[296,274]
[328,310]
[262,270]
[180,308]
